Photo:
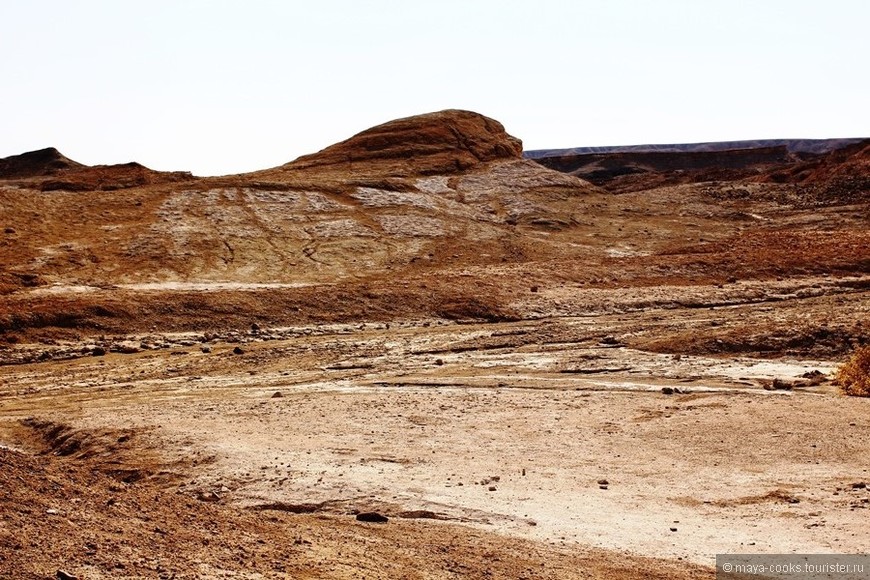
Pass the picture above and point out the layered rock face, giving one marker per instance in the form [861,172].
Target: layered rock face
[434,143]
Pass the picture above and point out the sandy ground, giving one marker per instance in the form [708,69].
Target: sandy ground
[545,430]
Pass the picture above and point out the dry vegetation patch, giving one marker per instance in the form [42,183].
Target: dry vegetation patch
[854,376]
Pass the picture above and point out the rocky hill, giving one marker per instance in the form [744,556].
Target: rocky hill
[433,192]
[431,144]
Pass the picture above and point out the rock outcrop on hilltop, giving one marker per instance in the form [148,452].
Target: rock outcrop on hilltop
[39,163]
[434,143]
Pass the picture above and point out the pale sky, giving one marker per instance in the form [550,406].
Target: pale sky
[218,87]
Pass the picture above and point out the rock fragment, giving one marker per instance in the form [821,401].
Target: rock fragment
[372,517]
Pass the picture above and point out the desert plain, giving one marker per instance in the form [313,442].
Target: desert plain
[419,353]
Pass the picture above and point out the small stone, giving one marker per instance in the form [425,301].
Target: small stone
[372,517]
[859,485]
[781,385]
[9,230]
[64,575]
[673,529]
[492,488]
[667,391]
[534,289]
[98,351]
[208,496]
[603,482]
[205,349]
[277,395]
[125,348]
[439,362]
[238,350]
[52,512]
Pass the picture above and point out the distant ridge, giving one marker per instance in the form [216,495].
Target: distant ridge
[40,163]
[49,170]
[814,146]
